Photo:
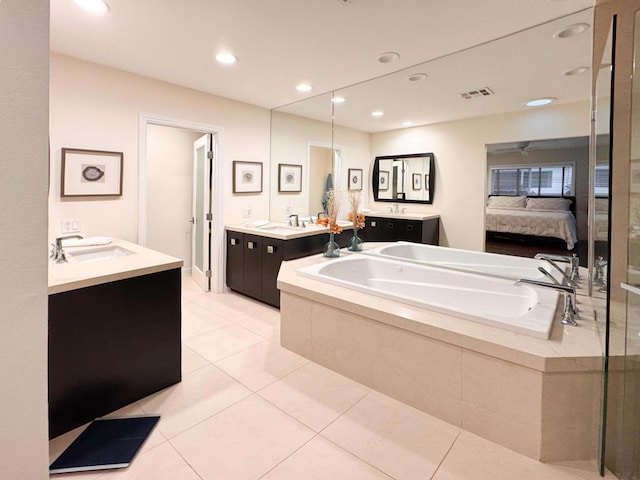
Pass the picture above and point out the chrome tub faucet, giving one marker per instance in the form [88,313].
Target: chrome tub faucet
[569,311]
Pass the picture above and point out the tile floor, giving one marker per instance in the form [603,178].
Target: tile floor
[250,409]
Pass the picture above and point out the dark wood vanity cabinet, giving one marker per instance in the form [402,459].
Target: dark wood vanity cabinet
[253,263]
[385,229]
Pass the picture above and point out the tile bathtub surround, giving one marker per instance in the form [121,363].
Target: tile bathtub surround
[264,412]
[509,388]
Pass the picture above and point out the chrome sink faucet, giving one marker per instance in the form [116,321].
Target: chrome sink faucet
[394,208]
[57,253]
[293,220]
[569,311]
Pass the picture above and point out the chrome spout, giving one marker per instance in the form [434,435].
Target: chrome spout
[57,253]
[552,259]
[546,273]
[570,311]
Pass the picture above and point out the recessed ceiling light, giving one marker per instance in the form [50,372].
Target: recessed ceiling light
[417,77]
[338,99]
[93,6]
[226,58]
[304,87]
[538,102]
[377,113]
[575,71]
[571,30]
[407,124]
[388,57]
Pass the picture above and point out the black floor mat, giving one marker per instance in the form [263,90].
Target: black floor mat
[106,443]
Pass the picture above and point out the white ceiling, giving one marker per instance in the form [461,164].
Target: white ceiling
[328,43]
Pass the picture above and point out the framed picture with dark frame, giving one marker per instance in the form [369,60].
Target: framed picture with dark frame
[355,179]
[417,181]
[247,177]
[91,173]
[289,178]
[383,180]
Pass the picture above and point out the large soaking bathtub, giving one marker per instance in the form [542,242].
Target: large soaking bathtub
[497,265]
[493,301]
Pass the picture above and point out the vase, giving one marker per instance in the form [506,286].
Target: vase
[331,248]
[355,242]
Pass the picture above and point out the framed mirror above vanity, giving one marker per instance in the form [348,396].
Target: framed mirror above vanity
[404,178]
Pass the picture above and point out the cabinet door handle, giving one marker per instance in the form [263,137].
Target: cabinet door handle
[251,245]
[410,228]
[271,249]
[234,241]
[373,223]
[390,225]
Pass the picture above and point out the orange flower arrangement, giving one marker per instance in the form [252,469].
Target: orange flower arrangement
[359,219]
[330,220]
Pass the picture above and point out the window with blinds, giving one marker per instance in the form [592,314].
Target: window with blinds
[601,187]
[533,180]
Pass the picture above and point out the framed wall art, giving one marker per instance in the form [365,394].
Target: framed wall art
[289,178]
[383,180]
[355,178]
[417,181]
[247,177]
[91,173]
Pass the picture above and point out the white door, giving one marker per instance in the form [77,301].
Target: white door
[201,212]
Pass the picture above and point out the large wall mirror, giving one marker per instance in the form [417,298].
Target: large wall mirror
[404,178]
[488,81]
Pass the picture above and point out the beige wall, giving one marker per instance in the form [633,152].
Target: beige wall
[23,260]
[461,164]
[96,107]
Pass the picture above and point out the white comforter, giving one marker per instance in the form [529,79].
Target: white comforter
[527,221]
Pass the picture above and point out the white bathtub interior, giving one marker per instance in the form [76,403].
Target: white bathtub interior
[494,264]
[492,301]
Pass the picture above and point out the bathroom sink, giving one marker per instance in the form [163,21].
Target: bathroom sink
[98,254]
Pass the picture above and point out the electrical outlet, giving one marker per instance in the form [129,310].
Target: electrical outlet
[70,225]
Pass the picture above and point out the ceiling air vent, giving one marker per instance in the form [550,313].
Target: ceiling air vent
[478,92]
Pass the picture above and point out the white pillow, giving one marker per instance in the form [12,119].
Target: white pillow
[500,201]
[549,203]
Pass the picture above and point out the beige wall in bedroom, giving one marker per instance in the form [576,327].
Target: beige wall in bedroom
[461,162]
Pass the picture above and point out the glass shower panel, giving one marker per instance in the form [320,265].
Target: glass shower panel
[629,451]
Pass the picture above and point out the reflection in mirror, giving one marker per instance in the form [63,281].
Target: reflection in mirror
[307,142]
[404,178]
[601,158]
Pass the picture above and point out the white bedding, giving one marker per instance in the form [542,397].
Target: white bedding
[528,221]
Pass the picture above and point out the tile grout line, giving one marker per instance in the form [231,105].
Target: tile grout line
[435,472]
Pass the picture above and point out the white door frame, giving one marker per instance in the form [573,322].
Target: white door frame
[219,172]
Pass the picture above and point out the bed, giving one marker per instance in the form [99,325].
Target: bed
[537,216]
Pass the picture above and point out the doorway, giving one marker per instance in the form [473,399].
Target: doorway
[171,192]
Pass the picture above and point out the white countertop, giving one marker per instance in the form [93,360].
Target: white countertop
[74,274]
[283,231]
[568,348]
[405,216]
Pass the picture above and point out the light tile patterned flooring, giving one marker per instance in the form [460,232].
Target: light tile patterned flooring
[250,409]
